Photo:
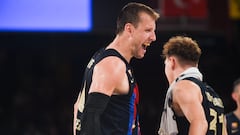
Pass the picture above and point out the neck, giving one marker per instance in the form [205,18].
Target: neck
[178,72]
[237,112]
[122,46]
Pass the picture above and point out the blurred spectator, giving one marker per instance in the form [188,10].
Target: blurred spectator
[233,118]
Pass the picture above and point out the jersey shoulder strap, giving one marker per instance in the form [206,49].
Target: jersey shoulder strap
[208,92]
[113,52]
[201,84]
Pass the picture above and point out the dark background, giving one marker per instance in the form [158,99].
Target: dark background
[41,72]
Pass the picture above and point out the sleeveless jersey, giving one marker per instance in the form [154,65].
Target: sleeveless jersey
[213,108]
[233,124]
[121,114]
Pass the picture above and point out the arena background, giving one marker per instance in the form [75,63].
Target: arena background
[41,72]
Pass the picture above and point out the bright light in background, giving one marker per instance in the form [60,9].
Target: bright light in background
[46,15]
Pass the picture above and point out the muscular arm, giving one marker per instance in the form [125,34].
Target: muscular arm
[188,97]
[108,78]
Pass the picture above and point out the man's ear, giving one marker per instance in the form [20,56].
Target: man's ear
[234,96]
[128,27]
[172,61]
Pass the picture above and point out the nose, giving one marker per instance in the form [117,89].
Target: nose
[153,36]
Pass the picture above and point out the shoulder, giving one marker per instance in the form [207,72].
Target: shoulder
[186,86]
[111,63]
[186,91]
[107,74]
[111,68]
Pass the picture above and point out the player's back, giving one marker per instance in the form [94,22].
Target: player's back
[213,108]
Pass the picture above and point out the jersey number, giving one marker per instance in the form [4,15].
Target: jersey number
[213,123]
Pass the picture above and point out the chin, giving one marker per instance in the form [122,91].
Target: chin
[139,57]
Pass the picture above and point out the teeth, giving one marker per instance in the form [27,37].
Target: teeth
[147,44]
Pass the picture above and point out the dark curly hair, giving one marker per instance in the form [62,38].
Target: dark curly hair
[184,48]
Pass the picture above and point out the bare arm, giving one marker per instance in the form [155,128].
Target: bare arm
[108,76]
[75,110]
[74,118]
[225,126]
[188,96]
